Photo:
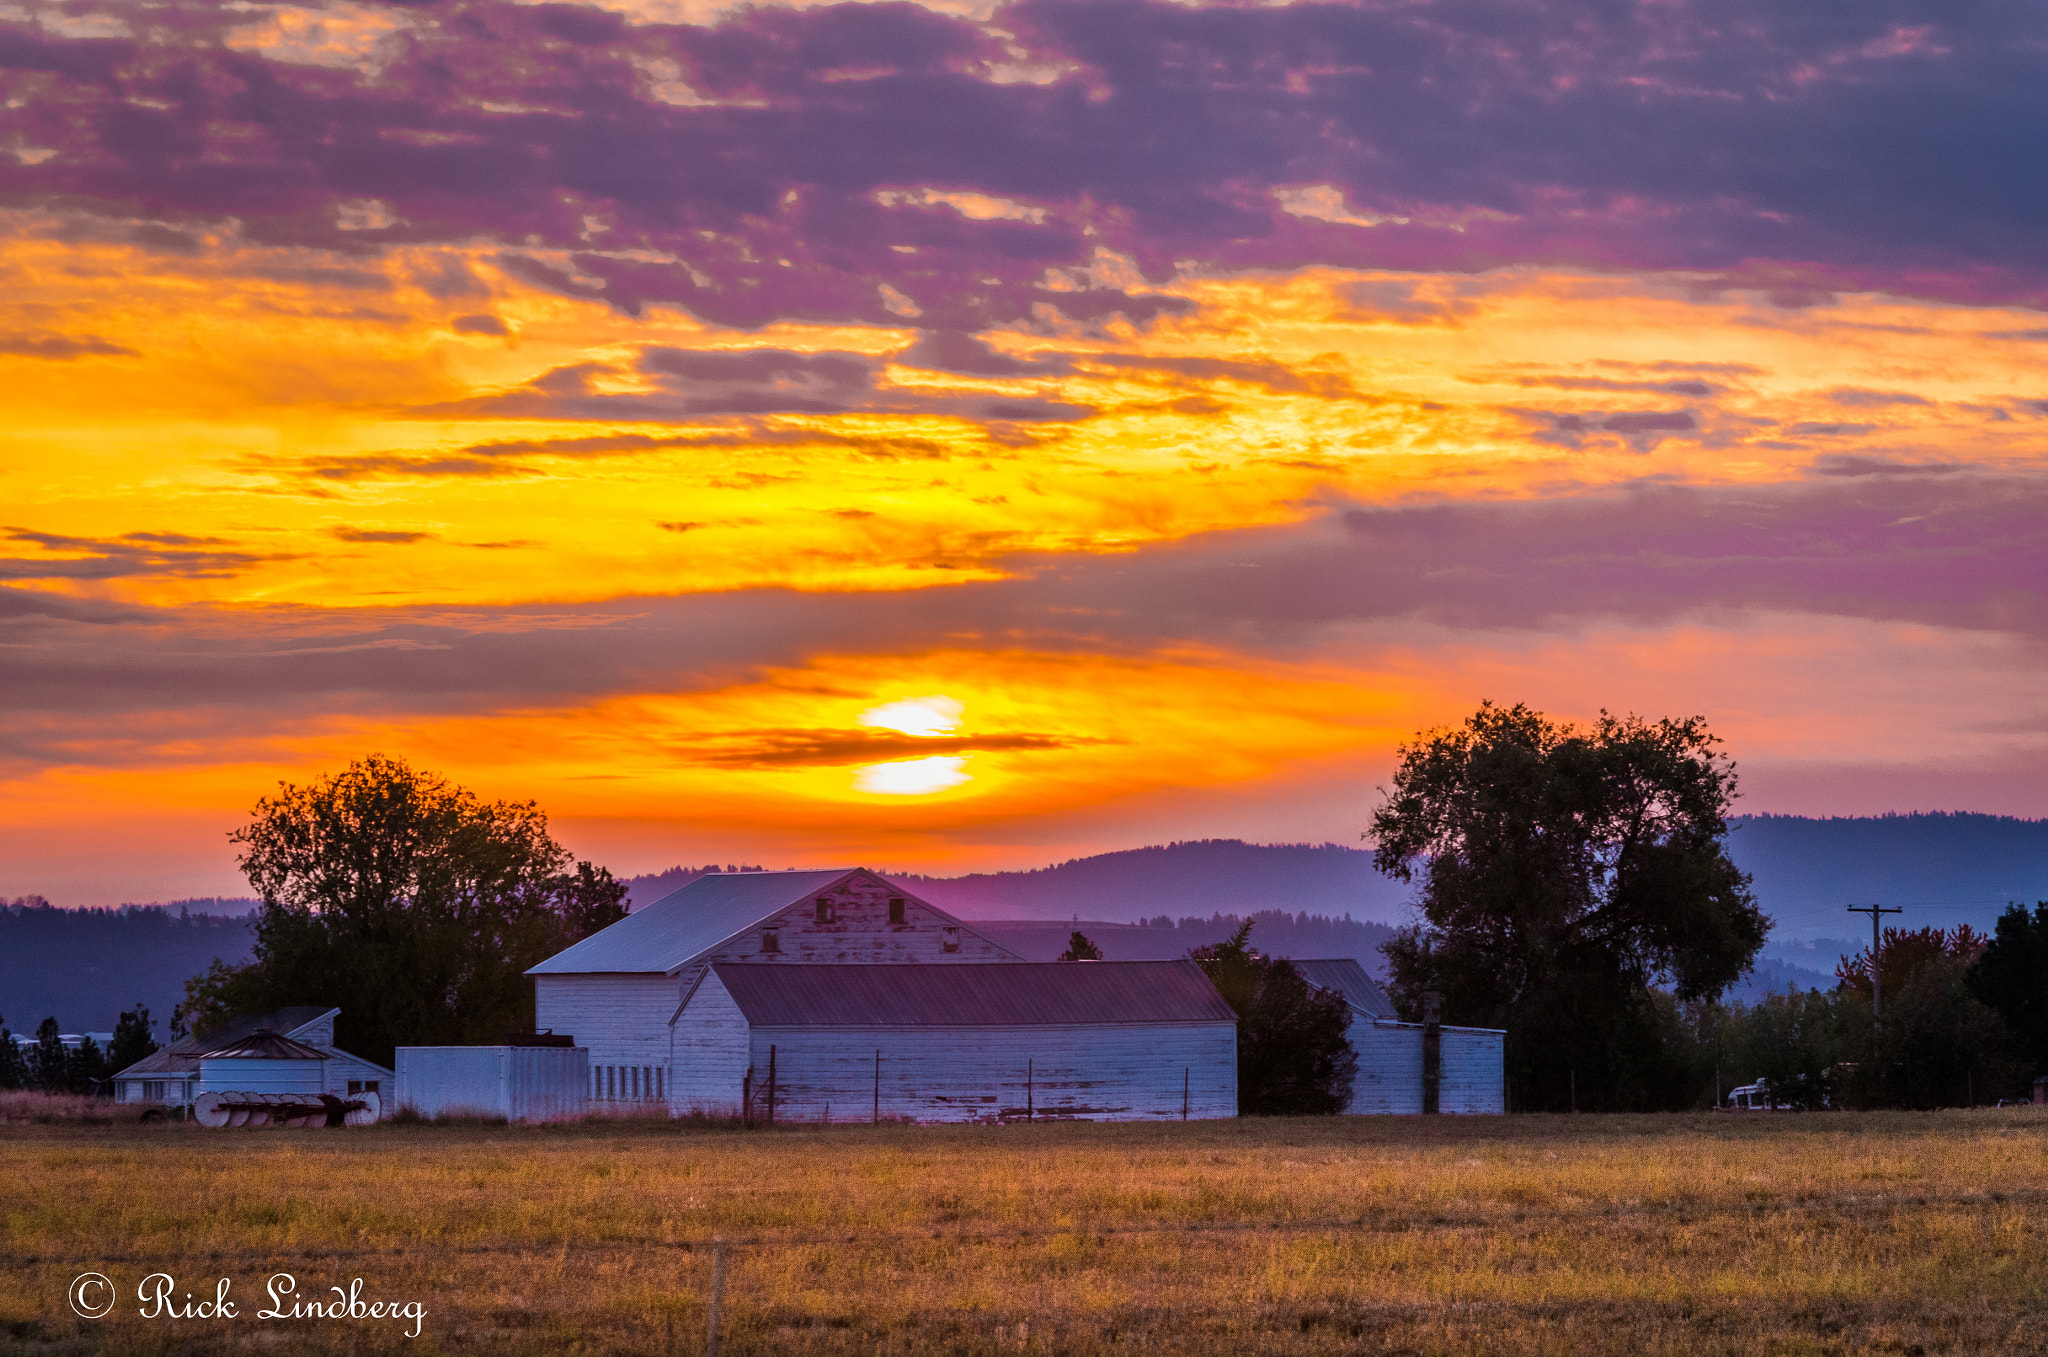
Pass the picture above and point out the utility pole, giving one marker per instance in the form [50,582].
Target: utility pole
[1876,985]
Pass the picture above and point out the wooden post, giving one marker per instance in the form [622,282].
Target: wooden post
[1030,1101]
[1432,1051]
[878,1086]
[747,1099]
[771,1085]
[717,1294]
[1184,1092]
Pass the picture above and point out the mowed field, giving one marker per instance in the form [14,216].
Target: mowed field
[1825,1233]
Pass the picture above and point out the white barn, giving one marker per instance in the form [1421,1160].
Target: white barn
[172,1075]
[621,990]
[1391,1053]
[1088,1041]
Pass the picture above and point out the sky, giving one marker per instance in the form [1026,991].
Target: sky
[969,436]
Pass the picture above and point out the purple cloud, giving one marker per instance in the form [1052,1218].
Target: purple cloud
[793,163]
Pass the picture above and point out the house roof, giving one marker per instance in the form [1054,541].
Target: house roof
[1348,978]
[264,1044]
[182,1056]
[994,994]
[664,936]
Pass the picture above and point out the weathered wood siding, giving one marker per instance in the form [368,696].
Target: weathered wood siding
[1389,1078]
[710,1054]
[337,1072]
[1474,1073]
[319,1032]
[990,1074]
[621,1020]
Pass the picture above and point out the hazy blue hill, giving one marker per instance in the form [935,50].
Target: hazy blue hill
[1198,878]
[84,966]
[1945,868]
[1163,939]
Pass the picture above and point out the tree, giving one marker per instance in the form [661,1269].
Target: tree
[1935,1044]
[1566,873]
[1079,948]
[14,1071]
[49,1062]
[1294,1053]
[406,902]
[133,1039]
[2011,976]
[1792,1042]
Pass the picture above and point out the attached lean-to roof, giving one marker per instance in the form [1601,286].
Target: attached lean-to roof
[264,1044]
[664,936]
[1348,978]
[182,1056]
[994,994]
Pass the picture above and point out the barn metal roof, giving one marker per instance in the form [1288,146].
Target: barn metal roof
[992,994]
[182,1056]
[1348,978]
[664,936]
[264,1044]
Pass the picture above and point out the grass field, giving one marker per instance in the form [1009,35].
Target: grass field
[1826,1233]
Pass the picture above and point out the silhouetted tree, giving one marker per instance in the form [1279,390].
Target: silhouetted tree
[1934,1044]
[133,1039]
[1294,1053]
[406,902]
[1079,948]
[49,1062]
[13,1063]
[1566,873]
[2011,976]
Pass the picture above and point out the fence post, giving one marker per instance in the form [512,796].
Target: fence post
[771,1085]
[1184,1070]
[1432,1051]
[717,1294]
[878,1086]
[1030,1091]
[747,1099]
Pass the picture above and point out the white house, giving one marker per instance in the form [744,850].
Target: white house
[172,1074]
[620,991]
[1048,1040]
[1392,1053]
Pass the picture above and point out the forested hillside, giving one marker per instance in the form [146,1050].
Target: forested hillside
[83,966]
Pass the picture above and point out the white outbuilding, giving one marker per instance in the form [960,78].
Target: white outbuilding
[621,990]
[172,1075]
[1080,1041]
[1394,1056]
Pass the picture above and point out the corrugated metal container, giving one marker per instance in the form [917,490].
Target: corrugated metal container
[519,1083]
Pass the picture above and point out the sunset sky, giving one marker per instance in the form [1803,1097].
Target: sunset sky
[970,436]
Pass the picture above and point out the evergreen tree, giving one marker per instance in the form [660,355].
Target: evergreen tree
[13,1063]
[49,1062]
[2011,975]
[1080,948]
[1294,1053]
[133,1039]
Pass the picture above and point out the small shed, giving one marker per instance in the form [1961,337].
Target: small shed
[997,1042]
[265,1061]
[1393,1055]
[517,1082]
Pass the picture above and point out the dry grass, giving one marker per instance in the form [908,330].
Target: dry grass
[1768,1234]
[21,1105]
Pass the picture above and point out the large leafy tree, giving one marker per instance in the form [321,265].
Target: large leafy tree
[407,902]
[2011,975]
[1294,1053]
[1566,874]
[1935,1044]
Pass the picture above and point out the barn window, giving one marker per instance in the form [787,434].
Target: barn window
[634,1094]
[949,940]
[771,940]
[364,1085]
[153,1090]
[825,912]
[658,1095]
[895,909]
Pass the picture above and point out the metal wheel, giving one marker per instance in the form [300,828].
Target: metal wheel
[206,1110]
[373,1106]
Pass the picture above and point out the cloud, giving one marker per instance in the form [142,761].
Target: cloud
[813,163]
[829,748]
[380,536]
[127,556]
[480,325]
[62,348]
